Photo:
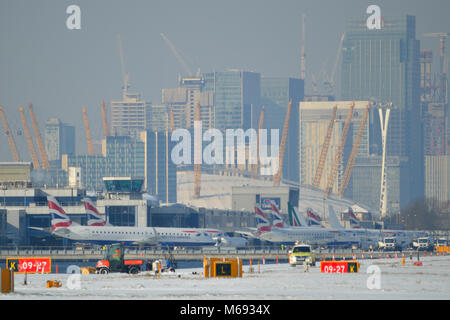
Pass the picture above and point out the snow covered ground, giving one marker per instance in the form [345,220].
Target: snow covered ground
[390,280]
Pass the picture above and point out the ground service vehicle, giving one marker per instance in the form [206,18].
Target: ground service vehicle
[425,244]
[300,253]
[113,261]
[390,244]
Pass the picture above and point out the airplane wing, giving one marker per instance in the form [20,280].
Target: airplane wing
[48,230]
[247,234]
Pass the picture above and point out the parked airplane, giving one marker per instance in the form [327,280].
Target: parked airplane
[291,235]
[64,227]
[365,238]
[220,238]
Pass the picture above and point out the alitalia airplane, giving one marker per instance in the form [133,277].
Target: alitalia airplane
[64,227]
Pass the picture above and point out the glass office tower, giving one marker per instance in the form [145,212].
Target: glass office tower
[382,65]
[276,92]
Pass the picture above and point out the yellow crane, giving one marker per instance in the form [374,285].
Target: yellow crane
[105,120]
[31,149]
[88,133]
[339,153]
[354,154]
[197,166]
[40,143]
[12,143]
[279,173]
[324,151]
[256,166]
[172,123]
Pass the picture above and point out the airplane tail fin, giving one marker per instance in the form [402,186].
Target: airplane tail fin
[334,223]
[314,219]
[277,221]
[94,217]
[59,217]
[295,219]
[262,224]
[354,221]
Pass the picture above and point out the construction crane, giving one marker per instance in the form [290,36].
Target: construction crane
[172,122]
[339,153]
[324,151]
[125,75]
[256,166]
[177,55]
[105,120]
[331,80]
[40,143]
[88,133]
[354,154]
[33,154]
[197,166]
[12,143]
[302,54]
[279,173]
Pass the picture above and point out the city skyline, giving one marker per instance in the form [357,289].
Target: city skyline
[61,70]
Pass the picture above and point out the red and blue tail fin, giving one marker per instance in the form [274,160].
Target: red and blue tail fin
[354,221]
[59,217]
[277,221]
[314,219]
[94,218]
[262,224]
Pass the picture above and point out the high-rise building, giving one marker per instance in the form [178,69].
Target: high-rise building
[183,101]
[59,140]
[160,171]
[382,65]
[437,180]
[236,98]
[276,92]
[130,116]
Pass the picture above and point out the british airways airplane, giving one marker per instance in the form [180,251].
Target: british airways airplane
[64,227]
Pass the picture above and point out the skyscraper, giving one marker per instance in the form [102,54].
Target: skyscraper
[276,92]
[59,140]
[382,65]
[236,98]
[160,171]
[130,115]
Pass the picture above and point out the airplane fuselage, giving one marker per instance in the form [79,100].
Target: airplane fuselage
[136,235]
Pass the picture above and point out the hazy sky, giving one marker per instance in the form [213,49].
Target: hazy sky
[60,70]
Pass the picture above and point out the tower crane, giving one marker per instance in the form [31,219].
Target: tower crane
[31,149]
[88,133]
[279,173]
[12,143]
[177,55]
[324,151]
[302,54]
[125,76]
[197,166]
[105,120]
[172,122]
[354,154]
[261,120]
[331,79]
[40,143]
[339,153]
